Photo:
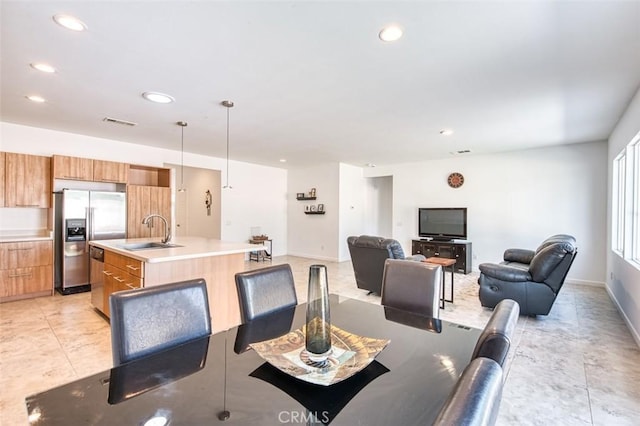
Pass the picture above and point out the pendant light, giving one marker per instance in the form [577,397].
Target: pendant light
[182,124]
[228,105]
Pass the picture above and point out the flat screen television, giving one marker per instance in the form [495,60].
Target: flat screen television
[442,223]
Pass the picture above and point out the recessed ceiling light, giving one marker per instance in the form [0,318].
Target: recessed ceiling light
[35,98]
[283,160]
[43,67]
[446,132]
[69,22]
[160,98]
[390,33]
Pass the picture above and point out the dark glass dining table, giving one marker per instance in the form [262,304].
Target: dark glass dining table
[220,379]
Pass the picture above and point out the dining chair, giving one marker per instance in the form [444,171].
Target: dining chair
[495,339]
[475,398]
[265,290]
[412,286]
[148,320]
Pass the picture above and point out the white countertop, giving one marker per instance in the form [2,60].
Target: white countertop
[17,235]
[192,248]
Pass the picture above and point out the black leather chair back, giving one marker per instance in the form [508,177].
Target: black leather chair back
[495,340]
[412,287]
[148,320]
[475,399]
[368,254]
[266,290]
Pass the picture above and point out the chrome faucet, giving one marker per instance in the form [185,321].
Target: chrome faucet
[167,231]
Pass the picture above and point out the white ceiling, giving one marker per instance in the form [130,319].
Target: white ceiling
[312,82]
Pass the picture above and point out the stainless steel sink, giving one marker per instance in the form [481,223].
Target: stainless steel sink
[148,246]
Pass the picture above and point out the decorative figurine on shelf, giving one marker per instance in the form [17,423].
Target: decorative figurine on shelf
[313,192]
[208,201]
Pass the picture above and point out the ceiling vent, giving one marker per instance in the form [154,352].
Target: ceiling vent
[118,121]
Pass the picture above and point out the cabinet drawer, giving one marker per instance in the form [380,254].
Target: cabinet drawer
[133,266]
[23,281]
[25,254]
[116,279]
[122,279]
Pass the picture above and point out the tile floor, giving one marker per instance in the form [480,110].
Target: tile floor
[578,365]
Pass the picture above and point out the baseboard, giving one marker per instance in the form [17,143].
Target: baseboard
[633,331]
[585,282]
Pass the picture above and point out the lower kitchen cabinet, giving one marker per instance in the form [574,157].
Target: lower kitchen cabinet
[120,273]
[26,270]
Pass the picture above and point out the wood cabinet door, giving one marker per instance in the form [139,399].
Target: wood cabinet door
[24,281]
[138,206]
[110,171]
[25,254]
[160,203]
[75,168]
[27,180]
[2,179]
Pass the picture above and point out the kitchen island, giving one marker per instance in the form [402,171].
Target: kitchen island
[131,263]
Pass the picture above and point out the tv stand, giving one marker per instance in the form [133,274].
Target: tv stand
[460,250]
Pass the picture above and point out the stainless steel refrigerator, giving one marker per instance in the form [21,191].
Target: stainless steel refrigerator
[82,216]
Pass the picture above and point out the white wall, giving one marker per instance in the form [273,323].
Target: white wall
[352,207]
[623,279]
[256,189]
[314,236]
[514,199]
[190,211]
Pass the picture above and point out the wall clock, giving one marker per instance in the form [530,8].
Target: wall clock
[455,180]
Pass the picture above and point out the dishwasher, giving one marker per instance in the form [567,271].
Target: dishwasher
[96,277]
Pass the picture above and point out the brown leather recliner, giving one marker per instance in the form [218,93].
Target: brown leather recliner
[368,254]
[531,278]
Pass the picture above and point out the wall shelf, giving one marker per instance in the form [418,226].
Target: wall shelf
[314,212]
[305,198]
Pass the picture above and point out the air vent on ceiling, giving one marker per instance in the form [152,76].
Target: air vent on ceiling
[118,121]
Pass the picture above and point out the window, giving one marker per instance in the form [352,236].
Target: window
[625,203]
[618,203]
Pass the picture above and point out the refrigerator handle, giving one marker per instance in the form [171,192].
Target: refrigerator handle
[90,213]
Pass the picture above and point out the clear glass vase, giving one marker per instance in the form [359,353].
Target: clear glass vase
[318,328]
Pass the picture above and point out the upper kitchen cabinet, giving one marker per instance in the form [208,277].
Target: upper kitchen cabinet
[72,168]
[27,181]
[143,200]
[86,169]
[110,171]
[2,155]
[149,176]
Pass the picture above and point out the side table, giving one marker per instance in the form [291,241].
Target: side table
[444,262]
[262,253]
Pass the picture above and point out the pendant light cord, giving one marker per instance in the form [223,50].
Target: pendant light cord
[182,124]
[182,160]
[228,147]
[227,104]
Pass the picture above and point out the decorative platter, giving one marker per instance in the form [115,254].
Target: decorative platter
[350,354]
